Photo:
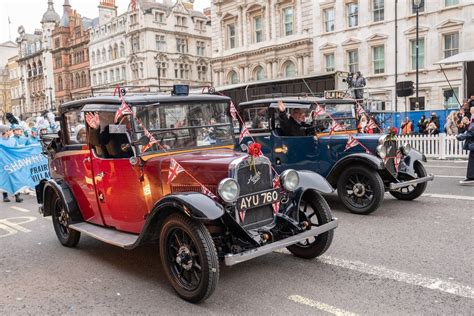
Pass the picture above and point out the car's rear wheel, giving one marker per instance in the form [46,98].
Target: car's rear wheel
[189,258]
[61,220]
[414,191]
[315,210]
[360,189]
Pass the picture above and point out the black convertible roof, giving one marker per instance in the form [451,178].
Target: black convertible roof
[113,102]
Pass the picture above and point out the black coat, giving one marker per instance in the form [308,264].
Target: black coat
[290,127]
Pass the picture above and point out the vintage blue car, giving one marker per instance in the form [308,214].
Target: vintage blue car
[362,166]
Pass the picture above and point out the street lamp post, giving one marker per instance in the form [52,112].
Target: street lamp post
[158,70]
[51,106]
[417,5]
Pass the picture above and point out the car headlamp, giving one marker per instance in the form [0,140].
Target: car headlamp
[228,190]
[405,148]
[382,151]
[290,179]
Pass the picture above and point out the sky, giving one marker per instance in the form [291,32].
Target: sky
[29,13]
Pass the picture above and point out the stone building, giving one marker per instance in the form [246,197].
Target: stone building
[153,45]
[15,86]
[71,55]
[36,65]
[360,35]
[262,39]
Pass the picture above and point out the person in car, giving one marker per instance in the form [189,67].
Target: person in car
[295,124]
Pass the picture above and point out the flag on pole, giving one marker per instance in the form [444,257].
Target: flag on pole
[351,142]
[175,169]
[319,111]
[359,110]
[233,110]
[244,133]
[123,110]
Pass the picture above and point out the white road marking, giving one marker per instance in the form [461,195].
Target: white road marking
[413,279]
[21,209]
[448,167]
[443,176]
[449,196]
[321,306]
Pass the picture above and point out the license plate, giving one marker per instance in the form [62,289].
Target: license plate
[258,199]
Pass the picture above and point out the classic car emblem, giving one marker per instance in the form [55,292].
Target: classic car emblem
[255,178]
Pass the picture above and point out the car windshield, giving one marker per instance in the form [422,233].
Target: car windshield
[187,125]
[342,113]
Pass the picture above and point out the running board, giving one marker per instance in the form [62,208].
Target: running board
[107,235]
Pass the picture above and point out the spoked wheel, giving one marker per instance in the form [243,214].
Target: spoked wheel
[360,189]
[189,258]
[68,237]
[413,191]
[314,210]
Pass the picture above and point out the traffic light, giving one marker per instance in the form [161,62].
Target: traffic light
[405,88]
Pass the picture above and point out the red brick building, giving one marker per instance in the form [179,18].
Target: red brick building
[71,56]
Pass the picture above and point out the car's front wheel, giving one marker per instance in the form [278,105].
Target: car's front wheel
[414,191]
[314,210]
[189,258]
[360,189]
[61,220]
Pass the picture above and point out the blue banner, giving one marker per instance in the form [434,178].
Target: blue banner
[22,167]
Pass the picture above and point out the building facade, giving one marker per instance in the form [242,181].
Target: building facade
[36,65]
[360,35]
[262,39]
[153,45]
[70,50]
[15,86]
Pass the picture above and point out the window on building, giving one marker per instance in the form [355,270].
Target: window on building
[83,79]
[40,68]
[451,101]
[448,3]
[329,60]
[135,42]
[290,69]
[78,81]
[181,21]
[122,49]
[352,14]
[451,44]
[104,55]
[258,28]
[378,10]
[142,75]
[200,48]
[421,8]
[106,80]
[181,70]
[421,104]
[77,31]
[115,52]
[378,57]
[329,20]
[162,68]
[159,17]
[124,73]
[94,79]
[160,43]
[133,19]
[288,21]
[259,73]
[353,60]
[231,35]
[233,77]
[57,43]
[200,25]
[421,53]
[202,72]
[93,58]
[60,83]
[100,78]
[112,75]
[58,62]
[181,45]
[110,54]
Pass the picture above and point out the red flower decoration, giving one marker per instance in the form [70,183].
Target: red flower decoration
[394,131]
[255,150]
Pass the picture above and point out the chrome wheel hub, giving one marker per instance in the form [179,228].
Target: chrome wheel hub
[359,189]
[63,218]
[184,258]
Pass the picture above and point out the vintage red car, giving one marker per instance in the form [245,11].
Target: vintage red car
[189,192]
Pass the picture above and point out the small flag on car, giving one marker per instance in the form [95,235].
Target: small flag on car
[233,110]
[174,170]
[372,124]
[123,110]
[244,133]
[336,127]
[360,109]
[319,110]
[351,142]
[207,192]
[276,185]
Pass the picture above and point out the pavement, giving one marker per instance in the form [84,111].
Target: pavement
[406,258]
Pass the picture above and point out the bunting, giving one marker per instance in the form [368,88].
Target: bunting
[244,133]
[174,170]
[276,185]
[351,142]
[123,110]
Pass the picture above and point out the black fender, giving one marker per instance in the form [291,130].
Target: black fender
[365,159]
[313,180]
[196,205]
[407,165]
[51,187]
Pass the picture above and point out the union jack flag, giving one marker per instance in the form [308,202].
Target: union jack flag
[319,110]
[242,215]
[372,124]
[233,110]
[175,169]
[336,127]
[359,110]
[123,110]
[397,160]
[244,133]
[276,185]
[133,4]
[151,142]
[351,142]
[207,192]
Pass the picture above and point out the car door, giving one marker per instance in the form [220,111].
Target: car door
[76,166]
[120,191]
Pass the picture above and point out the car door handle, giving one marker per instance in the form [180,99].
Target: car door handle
[266,137]
[99,176]
[86,160]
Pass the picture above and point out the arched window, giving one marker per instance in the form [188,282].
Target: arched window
[104,56]
[116,53]
[290,69]
[233,77]
[122,49]
[93,58]
[259,73]
[60,83]
[34,69]
[78,81]
[99,60]
[110,53]
[40,68]
[83,79]
[29,70]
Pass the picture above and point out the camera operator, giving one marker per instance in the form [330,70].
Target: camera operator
[357,84]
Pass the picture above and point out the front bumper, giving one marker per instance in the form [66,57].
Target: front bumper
[399,185]
[232,259]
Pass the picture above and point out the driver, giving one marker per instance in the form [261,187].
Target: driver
[294,125]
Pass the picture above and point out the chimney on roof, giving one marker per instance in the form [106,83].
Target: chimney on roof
[107,11]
